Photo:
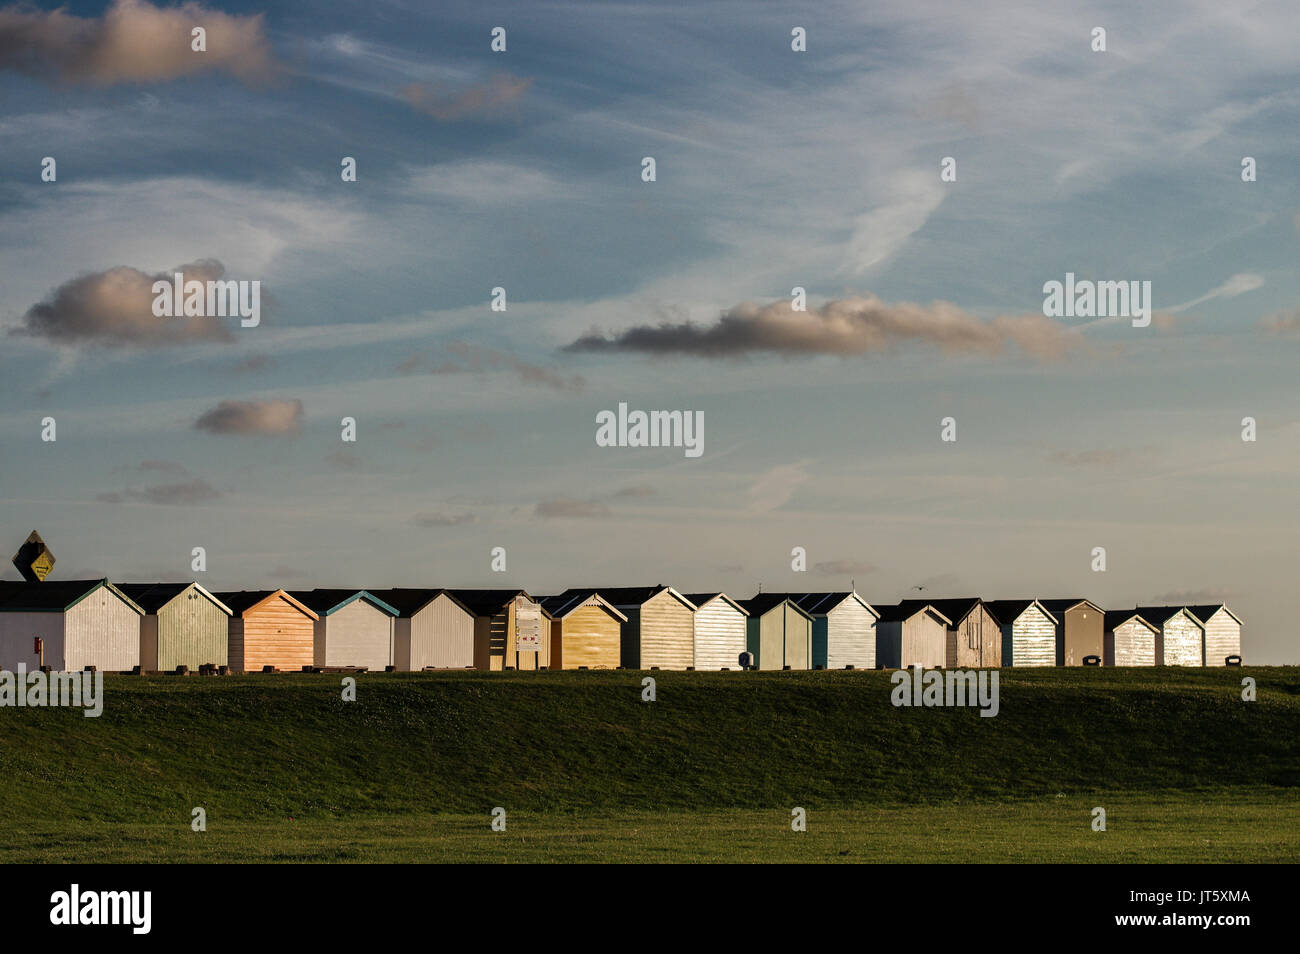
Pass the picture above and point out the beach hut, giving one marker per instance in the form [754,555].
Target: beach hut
[1182,637]
[721,631]
[432,630]
[1028,632]
[354,628]
[1080,630]
[183,625]
[974,637]
[586,631]
[1130,640]
[779,632]
[269,628]
[1222,632]
[660,628]
[80,623]
[844,629]
[911,633]
[510,630]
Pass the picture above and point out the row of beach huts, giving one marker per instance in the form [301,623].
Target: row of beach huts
[160,627]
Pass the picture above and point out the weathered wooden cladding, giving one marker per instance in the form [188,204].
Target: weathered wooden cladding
[354,629]
[660,628]
[974,637]
[1028,632]
[779,633]
[843,628]
[911,633]
[269,628]
[1129,639]
[586,631]
[1222,632]
[1181,641]
[721,631]
[1080,630]
[432,629]
[183,625]
[80,622]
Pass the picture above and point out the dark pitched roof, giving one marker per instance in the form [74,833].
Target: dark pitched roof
[699,599]
[1159,615]
[1007,612]
[957,609]
[561,604]
[325,601]
[48,596]
[485,602]
[555,606]
[151,597]
[1205,611]
[410,600]
[8,588]
[241,600]
[764,602]
[620,595]
[1057,607]
[1115,618]
[906,609]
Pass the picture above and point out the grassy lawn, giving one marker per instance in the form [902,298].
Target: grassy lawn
[287,771]
[1242,828]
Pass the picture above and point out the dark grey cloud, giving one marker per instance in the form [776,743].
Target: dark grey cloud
[850,326]
[252,417]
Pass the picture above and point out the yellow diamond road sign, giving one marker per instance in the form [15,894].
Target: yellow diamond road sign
[34,559]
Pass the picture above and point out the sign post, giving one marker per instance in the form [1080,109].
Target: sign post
[34,559]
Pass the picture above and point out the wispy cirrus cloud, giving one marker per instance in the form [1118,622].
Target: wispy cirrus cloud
[568,507]
[468,357]
[195,491]
[486,100]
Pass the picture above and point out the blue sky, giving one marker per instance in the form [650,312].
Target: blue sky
[774,169]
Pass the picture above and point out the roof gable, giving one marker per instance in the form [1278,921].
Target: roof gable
[566,604]
[906,609]
[326,602]
[700,600]
[1209,610]
[486,602]
[1008,612]
[55,597]
[243,602]
[1115,618]
[763,603]
[1059,607]
[152,597]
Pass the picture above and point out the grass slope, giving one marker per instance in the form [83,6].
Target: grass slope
[262,748]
